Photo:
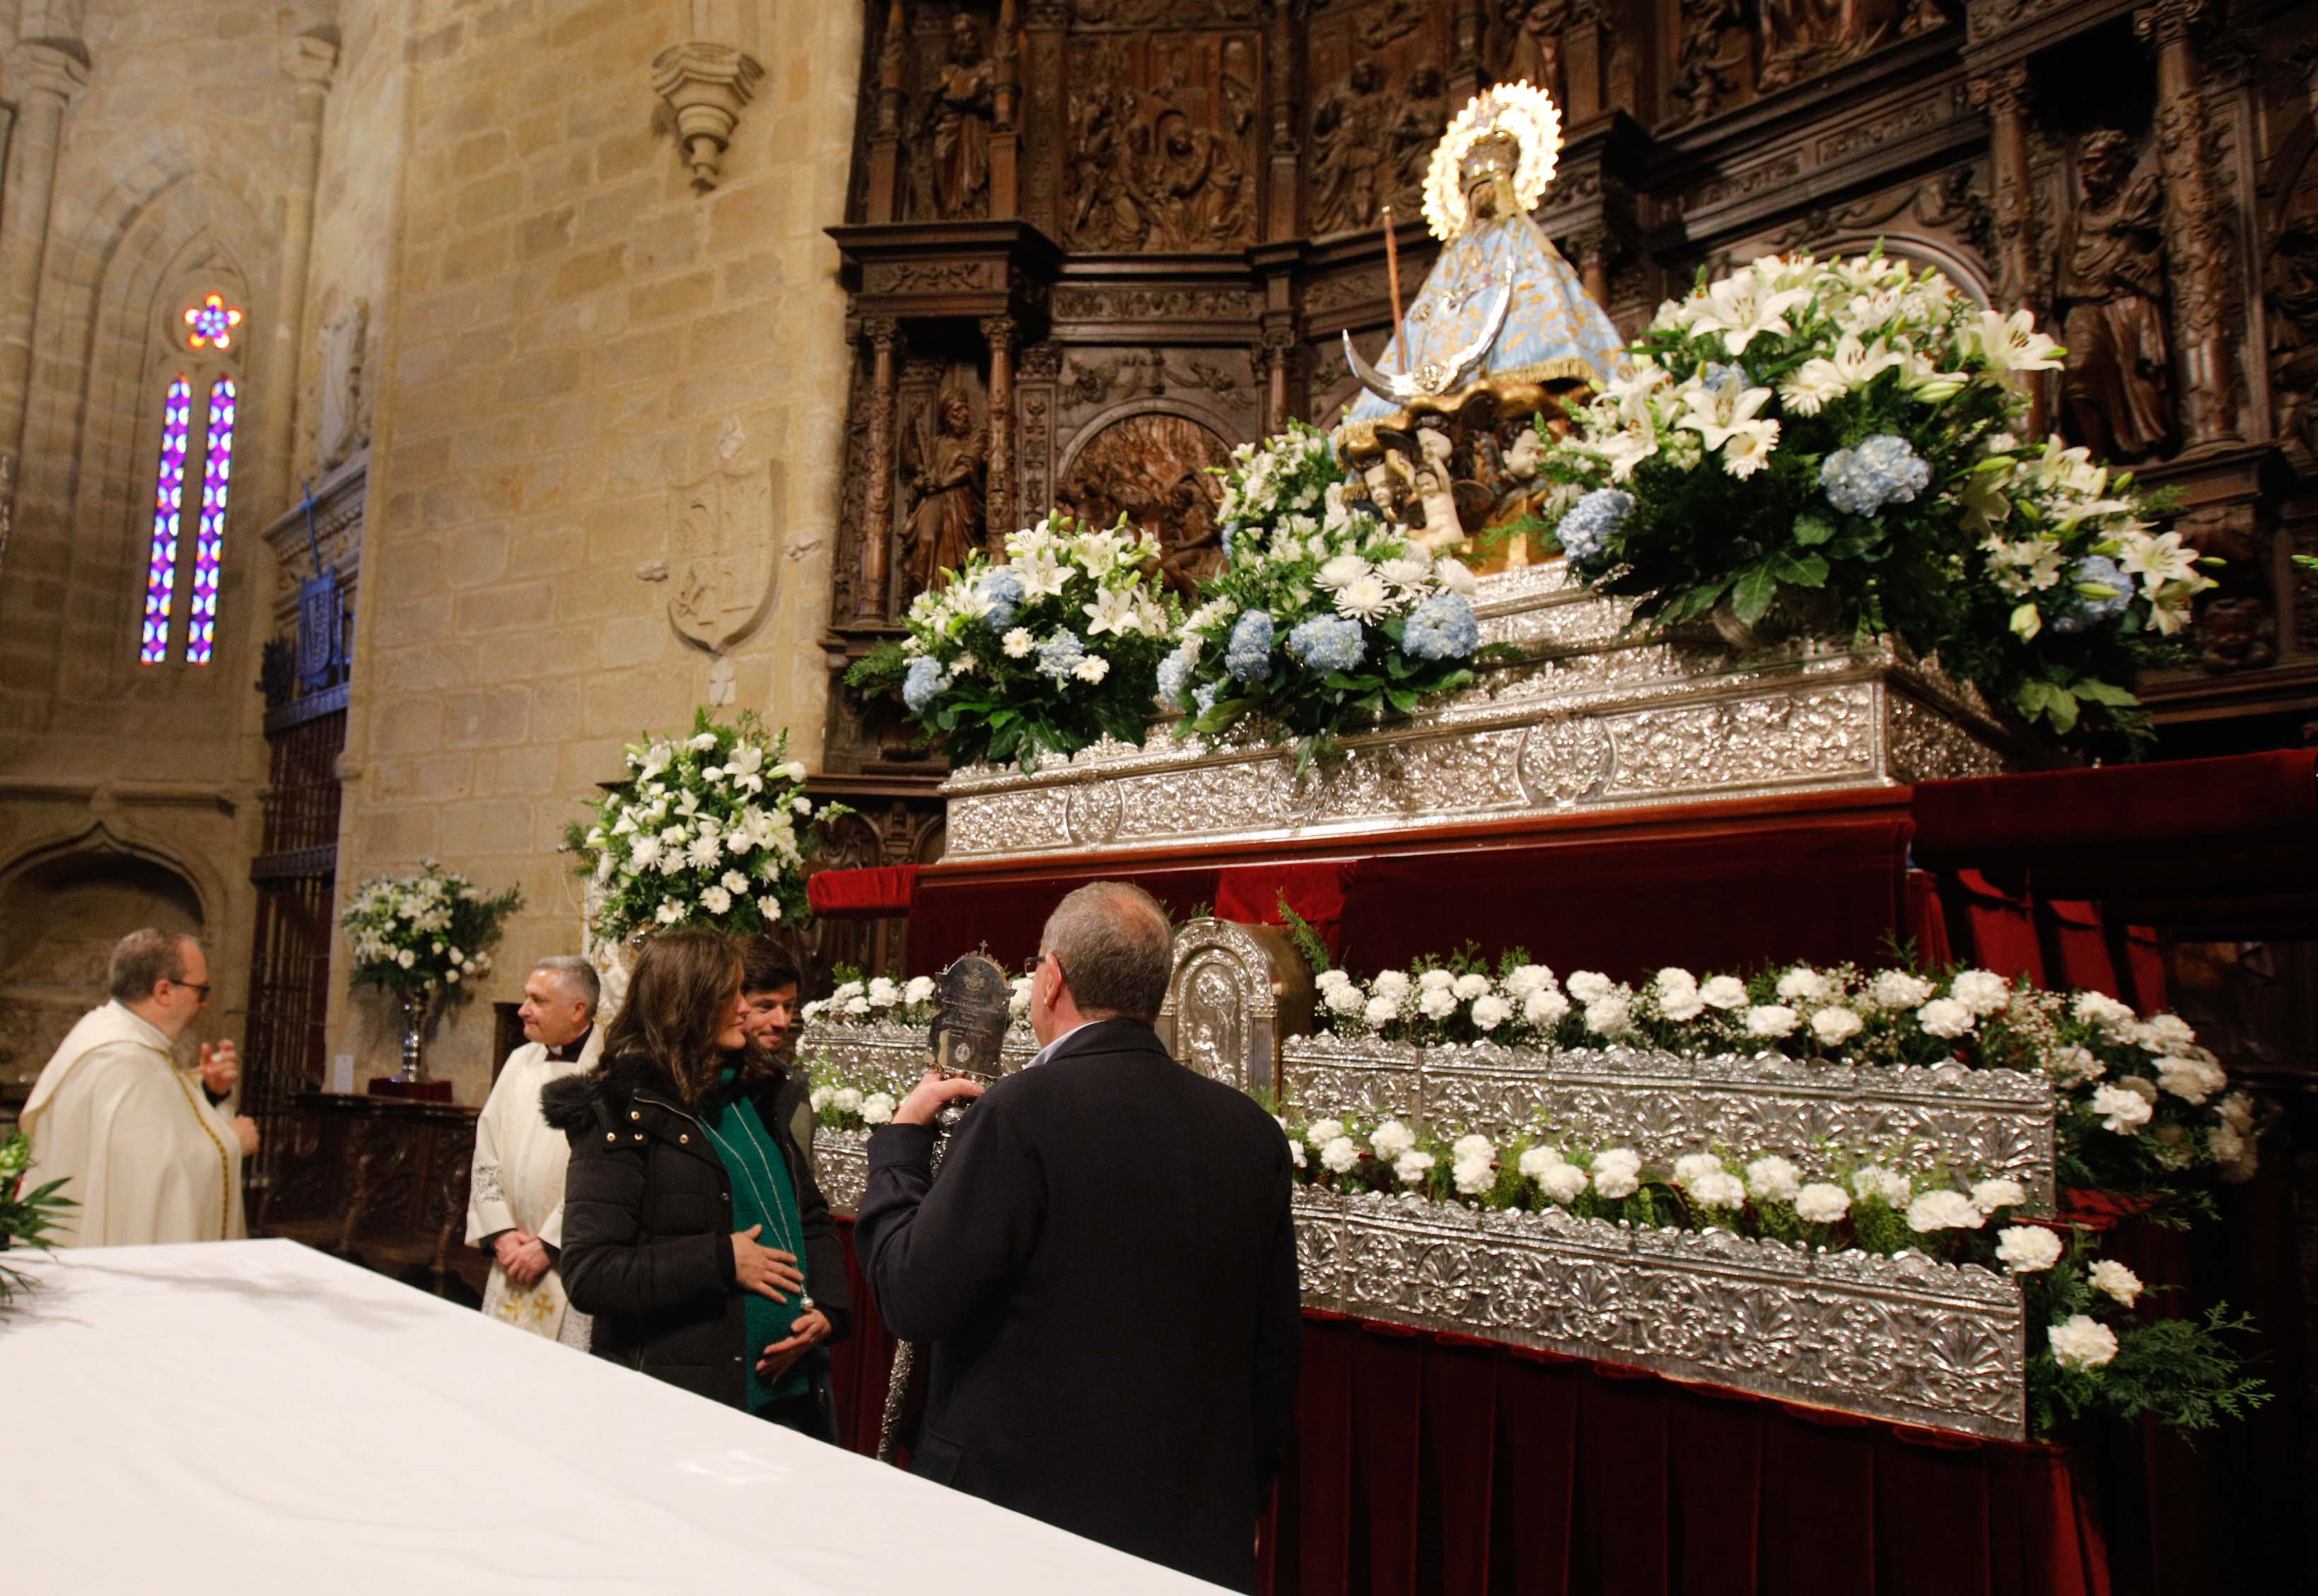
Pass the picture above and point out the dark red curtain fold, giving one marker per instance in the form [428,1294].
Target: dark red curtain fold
[883,889]
[1251,894]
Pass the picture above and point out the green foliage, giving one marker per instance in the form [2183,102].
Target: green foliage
[27,1218]
[1308,942]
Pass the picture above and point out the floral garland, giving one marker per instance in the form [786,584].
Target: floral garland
[424,931]
[1042,654]
[2141,1106]
[1828,447]
[2092,1358]
[1322,615]
[713,829]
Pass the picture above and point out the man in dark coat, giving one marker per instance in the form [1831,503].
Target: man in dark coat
[1105,1270]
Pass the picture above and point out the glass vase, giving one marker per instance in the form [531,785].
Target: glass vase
[412,1003]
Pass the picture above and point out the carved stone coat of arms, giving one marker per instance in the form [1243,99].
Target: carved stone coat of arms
[724,543]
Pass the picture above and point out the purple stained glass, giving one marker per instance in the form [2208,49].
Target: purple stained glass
[209,547]
[168,507]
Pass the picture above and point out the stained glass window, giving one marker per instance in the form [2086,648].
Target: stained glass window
[212,322]
[168,505]
[208,548]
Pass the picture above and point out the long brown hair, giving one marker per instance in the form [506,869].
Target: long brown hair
[679,998]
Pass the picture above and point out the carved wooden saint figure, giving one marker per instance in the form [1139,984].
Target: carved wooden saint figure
[1350,142]
[947,454]
[958,120]
[1533,53]
[2110,295]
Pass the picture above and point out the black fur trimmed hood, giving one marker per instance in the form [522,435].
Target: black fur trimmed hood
[601,1096]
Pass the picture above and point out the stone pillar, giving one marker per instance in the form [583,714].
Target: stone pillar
[2003,94]
[886,133]
[46,74]
[998,331]
[870,598]
[1006,126]
[311,63]
[2198,241]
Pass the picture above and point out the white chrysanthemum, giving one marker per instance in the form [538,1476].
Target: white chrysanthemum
[1091,669]
[1342,571]
[1411,1166]
[1617,1172]
[1944,1210]
[847,1099]
[2082,1342]
[1391,1139]
[1988,1195]
[2027,1249]
[1836,1026]
[2119,1282]
[770,908]
[1019,644]
[717,900]
[822,1095]
[1723,992]
[1772,1019]
[1774,1178]
[2121,1109]
[1822,1204]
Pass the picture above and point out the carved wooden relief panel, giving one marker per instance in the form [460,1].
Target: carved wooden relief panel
[1380,102]
[1157,469]
[1162,134]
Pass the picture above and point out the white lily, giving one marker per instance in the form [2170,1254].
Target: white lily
[2012,343]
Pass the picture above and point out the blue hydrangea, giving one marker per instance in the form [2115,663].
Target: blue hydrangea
[925,681]
[1175,670]
[1441,627]
[2094,609]
[1203,697]
[1882,471]
[1586,531]
[1722,378]
[1328,642]
[1001,590]
[1060,655]
[1248,655]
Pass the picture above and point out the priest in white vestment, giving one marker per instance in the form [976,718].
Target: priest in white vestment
[514,1202]
[142,1149]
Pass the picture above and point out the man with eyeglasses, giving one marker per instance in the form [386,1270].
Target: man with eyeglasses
[141,1145]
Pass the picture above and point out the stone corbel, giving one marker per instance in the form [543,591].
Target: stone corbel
[705,85]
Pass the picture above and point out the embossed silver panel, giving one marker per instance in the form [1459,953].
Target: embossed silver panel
[1237,993]
[1977,1122]
[841,1163]
[1593,723]
[1903,1338]
[886,1057]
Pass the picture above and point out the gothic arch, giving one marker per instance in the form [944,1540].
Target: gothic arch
[91,426]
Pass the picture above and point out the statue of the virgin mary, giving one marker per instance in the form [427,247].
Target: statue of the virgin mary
[1500,329]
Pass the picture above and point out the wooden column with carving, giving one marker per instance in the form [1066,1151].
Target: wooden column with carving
[1005,122]
[1467,30]
[1275,362]
[1283,210]
[870,601]
[2197,234]
[1590,250]
[886,138]
[998,331]
[1042,116]
[2003,94]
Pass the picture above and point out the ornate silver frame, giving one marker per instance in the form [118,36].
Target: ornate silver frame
[1237,994]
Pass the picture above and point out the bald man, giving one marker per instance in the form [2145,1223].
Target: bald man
[1105,1268]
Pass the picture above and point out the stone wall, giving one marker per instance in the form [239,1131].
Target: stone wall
[572,333]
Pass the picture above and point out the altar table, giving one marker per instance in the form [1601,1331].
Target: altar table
[255,1416]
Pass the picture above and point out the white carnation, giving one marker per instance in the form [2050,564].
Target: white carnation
[1388,984]
[1822,1204]
[2074,1066]
[1608,1015]
[2121,1111]
[1381,1012]
[1544,1006]
[920,989]
[1436,981]
[2027,1249]
[847,1101]
[2081,1341]
[1772,1019]
[1410,1166]
[1339,1154]
[1723,992]
[1984,991]
[1836,1026]
[1473,1177]
[1345,999]
[821,1094]
[1490,1012]
[2192,1080]
[1774,1178]
[1944,1210]
[1803,984]
[1988,1195]
[877,1108]
[1563,1182]
[1436,1002]
[2117,1280]
[2105,1012]
[1527,979]
[1321,1131]
[1721,1189]
[2166,1033]
[1690,1166]
[1874,1180]
[1945,1017]
[1589,985]
[1391,1139]
[1896,989]
[1617,1172]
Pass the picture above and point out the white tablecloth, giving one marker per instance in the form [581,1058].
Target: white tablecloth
[255,1417]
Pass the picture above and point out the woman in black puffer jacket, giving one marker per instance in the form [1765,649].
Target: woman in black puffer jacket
[693,1229]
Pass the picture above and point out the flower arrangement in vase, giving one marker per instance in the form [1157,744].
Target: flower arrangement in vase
[1039,655]
[712,829]
[1323,618]
[424,933]
[1830,447]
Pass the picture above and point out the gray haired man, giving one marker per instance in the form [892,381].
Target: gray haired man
[514,1202]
